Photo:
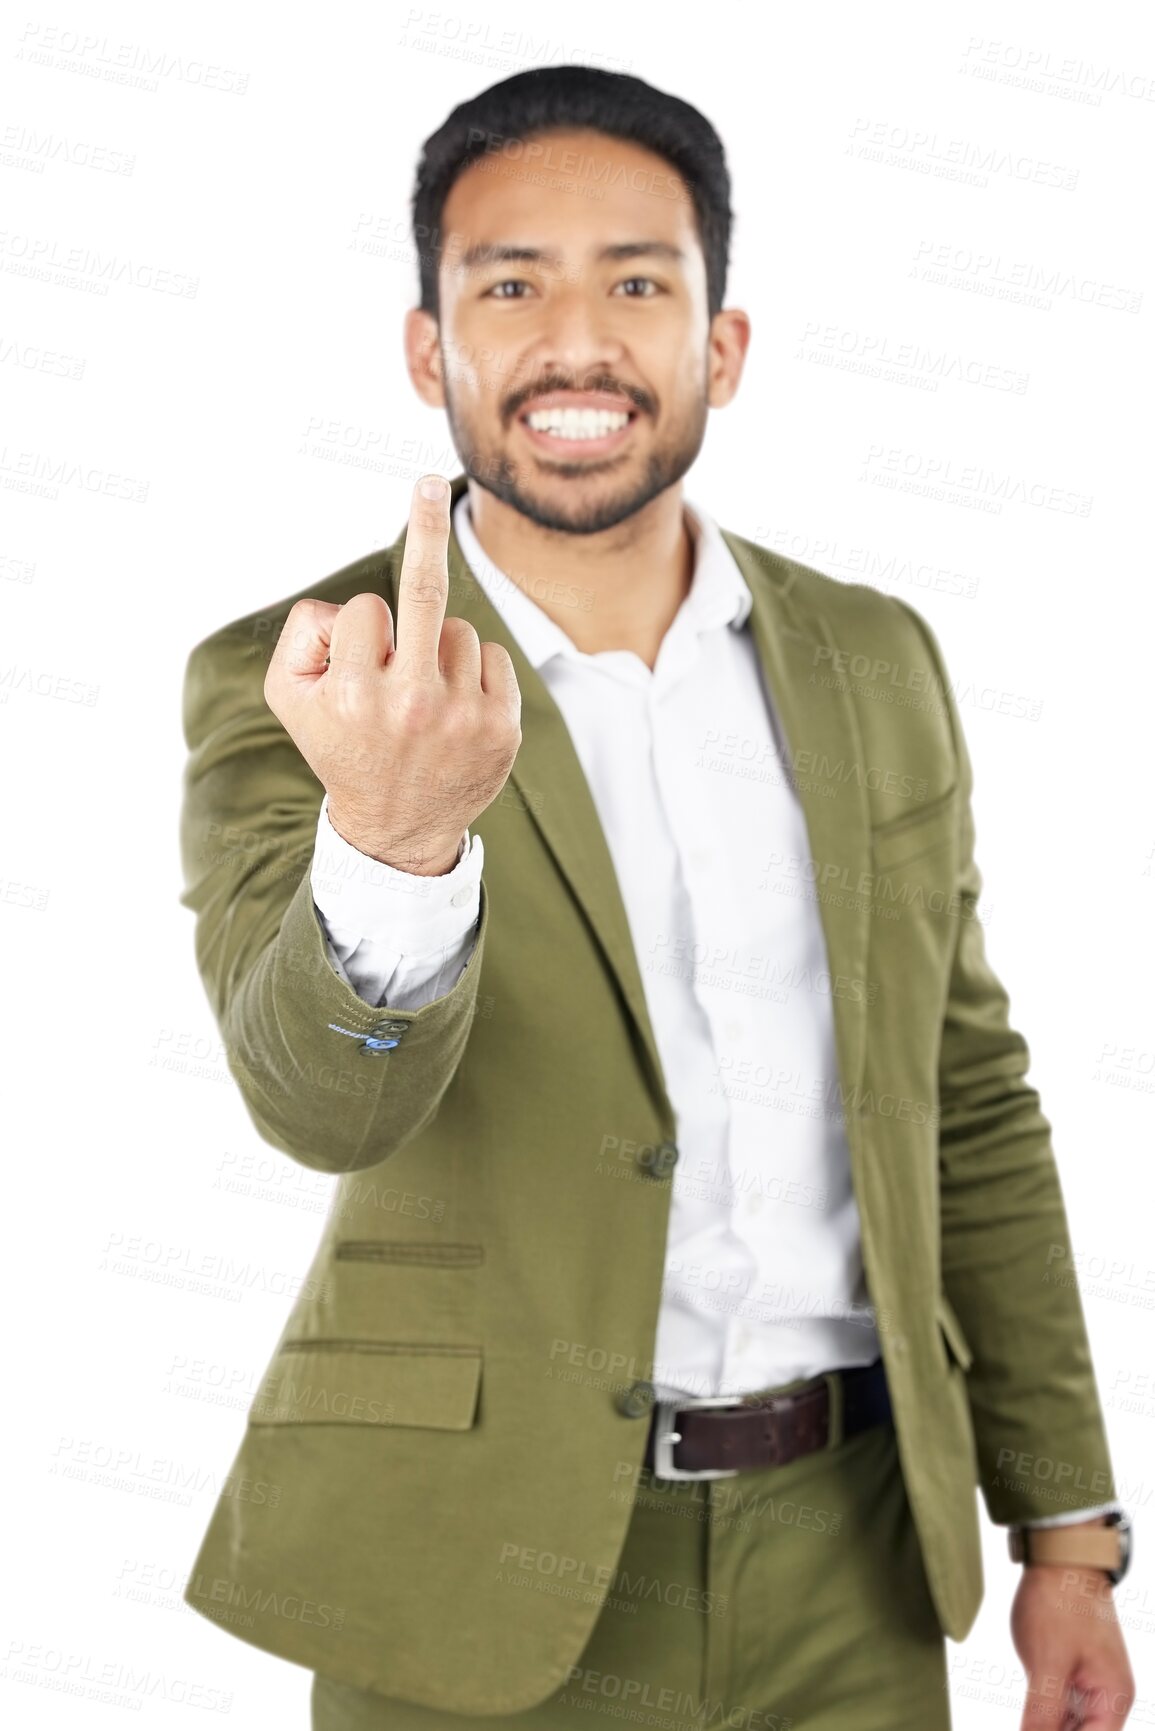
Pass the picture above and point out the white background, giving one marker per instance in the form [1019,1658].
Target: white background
[234,410]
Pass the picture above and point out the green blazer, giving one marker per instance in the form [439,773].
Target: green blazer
[467,1366]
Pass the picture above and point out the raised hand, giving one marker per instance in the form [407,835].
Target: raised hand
[412,733]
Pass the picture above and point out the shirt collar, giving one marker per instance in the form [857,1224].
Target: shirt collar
[718,595]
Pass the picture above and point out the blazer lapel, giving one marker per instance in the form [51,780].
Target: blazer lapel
[549,776]
[814,717]
[817,716]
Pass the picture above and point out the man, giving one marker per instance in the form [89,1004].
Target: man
[594,893]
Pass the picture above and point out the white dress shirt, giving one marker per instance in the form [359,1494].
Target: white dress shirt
[764,1280]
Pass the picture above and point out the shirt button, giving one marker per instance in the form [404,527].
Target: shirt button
[460,897]
[752,1204]
[637,1400]
[659,1162]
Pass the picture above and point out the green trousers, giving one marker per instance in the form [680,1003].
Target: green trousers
[790,1597]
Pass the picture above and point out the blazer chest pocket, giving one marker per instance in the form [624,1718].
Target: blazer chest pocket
[408,1253]
[954,1339]
[368,1382]
[395,1289]
[916,832]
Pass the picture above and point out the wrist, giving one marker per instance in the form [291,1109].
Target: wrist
[417,856]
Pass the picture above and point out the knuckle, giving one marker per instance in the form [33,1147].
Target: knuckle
[427,520]
[359,611]
[459,646]
[424,587]
[414,705]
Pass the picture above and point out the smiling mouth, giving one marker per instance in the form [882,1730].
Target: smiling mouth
[578,429]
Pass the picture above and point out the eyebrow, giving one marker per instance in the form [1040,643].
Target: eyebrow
[477,257]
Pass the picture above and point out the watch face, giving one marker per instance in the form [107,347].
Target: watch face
[1122,1525]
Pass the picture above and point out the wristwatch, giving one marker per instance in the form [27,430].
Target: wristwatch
[1107,1547]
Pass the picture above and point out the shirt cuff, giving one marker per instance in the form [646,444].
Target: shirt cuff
[1070,1516]
[358,896]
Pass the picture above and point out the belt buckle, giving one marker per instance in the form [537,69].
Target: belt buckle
[835,1410]
[666,1435]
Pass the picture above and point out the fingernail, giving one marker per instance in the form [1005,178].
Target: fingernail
[432,487]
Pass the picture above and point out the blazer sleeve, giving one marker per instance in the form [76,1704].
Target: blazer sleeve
[293,1029]
[1007,1266]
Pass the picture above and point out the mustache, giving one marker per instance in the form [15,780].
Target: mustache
[641,400]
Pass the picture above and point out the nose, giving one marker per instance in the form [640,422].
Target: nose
[577,335]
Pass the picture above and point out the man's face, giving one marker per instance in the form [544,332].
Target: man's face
[574,332]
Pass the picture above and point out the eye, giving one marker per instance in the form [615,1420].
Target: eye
[648,280]
[508,282]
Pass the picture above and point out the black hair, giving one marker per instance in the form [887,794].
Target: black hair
[553,98]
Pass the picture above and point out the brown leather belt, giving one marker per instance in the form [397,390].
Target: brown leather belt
[714,1439]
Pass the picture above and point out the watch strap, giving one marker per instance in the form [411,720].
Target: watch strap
[1088,1548]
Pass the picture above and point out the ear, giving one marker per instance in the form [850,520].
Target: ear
[423,357]
[729,340]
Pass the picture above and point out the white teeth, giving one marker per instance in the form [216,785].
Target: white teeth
[577,423]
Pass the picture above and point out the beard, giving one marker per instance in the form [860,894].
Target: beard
[488,465]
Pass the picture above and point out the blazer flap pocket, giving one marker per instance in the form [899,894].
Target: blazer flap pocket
[370,1383]
[915,832]
[956,1342]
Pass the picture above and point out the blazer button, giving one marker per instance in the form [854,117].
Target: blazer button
[637,1400]
[397,1028]
[372,1046]
[659,1162]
